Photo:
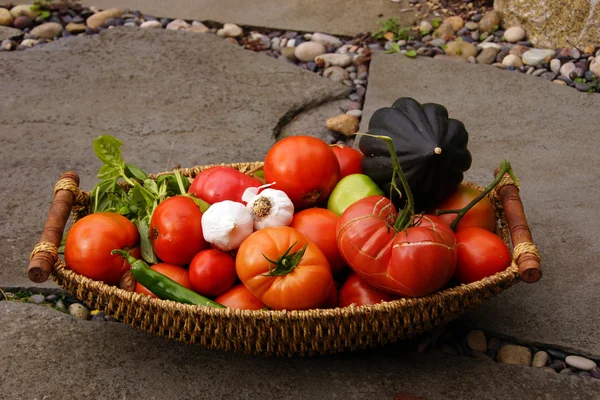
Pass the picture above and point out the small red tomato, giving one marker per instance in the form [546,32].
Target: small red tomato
[482,214]
[348,158]
[319,225]
[212,272]
[480,253]
[176,230]
[241,298]
[358,292]
[175,272]
[221,183]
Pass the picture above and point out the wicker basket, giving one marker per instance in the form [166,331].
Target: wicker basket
[281,332]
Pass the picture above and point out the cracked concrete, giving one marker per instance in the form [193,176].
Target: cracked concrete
[212,101]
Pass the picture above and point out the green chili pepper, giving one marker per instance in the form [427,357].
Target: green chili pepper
[162,286]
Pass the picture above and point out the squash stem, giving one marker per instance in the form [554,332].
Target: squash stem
[504,168]
[408,212]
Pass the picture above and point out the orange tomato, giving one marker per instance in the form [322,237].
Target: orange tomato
[175,272]
[284,269]
[482,214]
[241,298]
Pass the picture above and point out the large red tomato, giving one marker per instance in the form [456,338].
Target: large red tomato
[221,183]
[480,254]
[482,214]
[176,230]
[304,167]
[358,292]
[298,276]
[92,238]
[412,263]
[175,272]
[212,272]
[241,298]
[319,225]
[348,158]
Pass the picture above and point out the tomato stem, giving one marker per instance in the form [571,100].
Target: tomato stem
[505,168]
[199,202]
[287,262]
[406,215]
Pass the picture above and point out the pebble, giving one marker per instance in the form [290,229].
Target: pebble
[51,297]
[461,49]
[476,340]
[538,56]
[37,299]
[581,363]
[289,53]
[230,30]
[556,354]
[589,75]
[23,22]
[152,25]
[539,72]
[425,27]
[176,25]
[566,371]
[550,76]
[514,355]
[567,68]
[75,28]
[475,35]
[540,359]
[98,19]
[356,113]
[79,311]
[344,123]
[512,60]
[445,31]
[518,50]
[198,27]
[582,86]
[437,42]
[456,22]
[476,17]
[501,56]
[23,9]
[555,65]
[276,43]
[361,90]
[291,43]
[6,18]
[514,34]
[60,306]
[330,42]
[530,70]
[336,74]
[308,51]
[489,22]
[595,65]
[472,26]
[595,373]
[27,43]
[558,365]
[339,60]
[48,30]
[488,45]
[582,65]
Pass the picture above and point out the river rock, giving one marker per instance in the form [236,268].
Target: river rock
[336,74]
[567,68]
[461,49]
[519,50]
[540,359]
[151,25]
[6,18]
[308,51]
[23,9]
[47,30]
[512,60]
[23,22]
[97,20]
[456,22]
[554,23]
[79,311]
[230,30]
[487,56]
[75,28]
[579,362]
[489,22]
[177,25]
[514,355]
[514,34]
[330,42]
[476,340]
[338,60]
[40,298]
[345,124]
[555,65]
[595,66]
[535,57]
[445,31]
[425,27]
[289,53]
[198,27]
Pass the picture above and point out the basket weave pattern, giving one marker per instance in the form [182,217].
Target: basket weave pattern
[283,333]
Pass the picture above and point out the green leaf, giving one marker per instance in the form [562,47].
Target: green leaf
[436,22]
[261,174]
[132,170]
[151,185]
[411,53]
[108,150]
[148,253]
[395,49]
[108,172]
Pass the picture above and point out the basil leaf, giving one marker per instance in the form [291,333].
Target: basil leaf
[171,184]
[132,170]
[411,53]
[108,150]
[108,172]
[151,185]
[147,251]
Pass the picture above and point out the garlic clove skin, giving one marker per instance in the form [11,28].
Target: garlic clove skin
[226,224]
[270,208]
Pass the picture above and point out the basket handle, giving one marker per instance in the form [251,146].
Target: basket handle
[45,253]
[525,253]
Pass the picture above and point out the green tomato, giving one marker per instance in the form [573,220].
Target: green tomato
[349,190]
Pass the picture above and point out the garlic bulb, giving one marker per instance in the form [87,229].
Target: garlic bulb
[270,208]
[226,224]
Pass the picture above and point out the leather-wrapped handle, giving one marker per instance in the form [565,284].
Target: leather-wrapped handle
[45,255]
[528,260]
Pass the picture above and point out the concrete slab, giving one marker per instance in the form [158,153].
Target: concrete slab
[549,133]
[47,354]
[9,33]
[340,17]
[173,98]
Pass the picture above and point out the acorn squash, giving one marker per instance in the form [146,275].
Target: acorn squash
[431,148]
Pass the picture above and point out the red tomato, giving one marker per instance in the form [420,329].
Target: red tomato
[241,298]
[212,272]
[92,238]
[482,214]
[348,158]
[358,292]
[304,167]
[319,225]
[480,254]
[412,263]
[221,183]
[176,230]
[295,281]
[175,272]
